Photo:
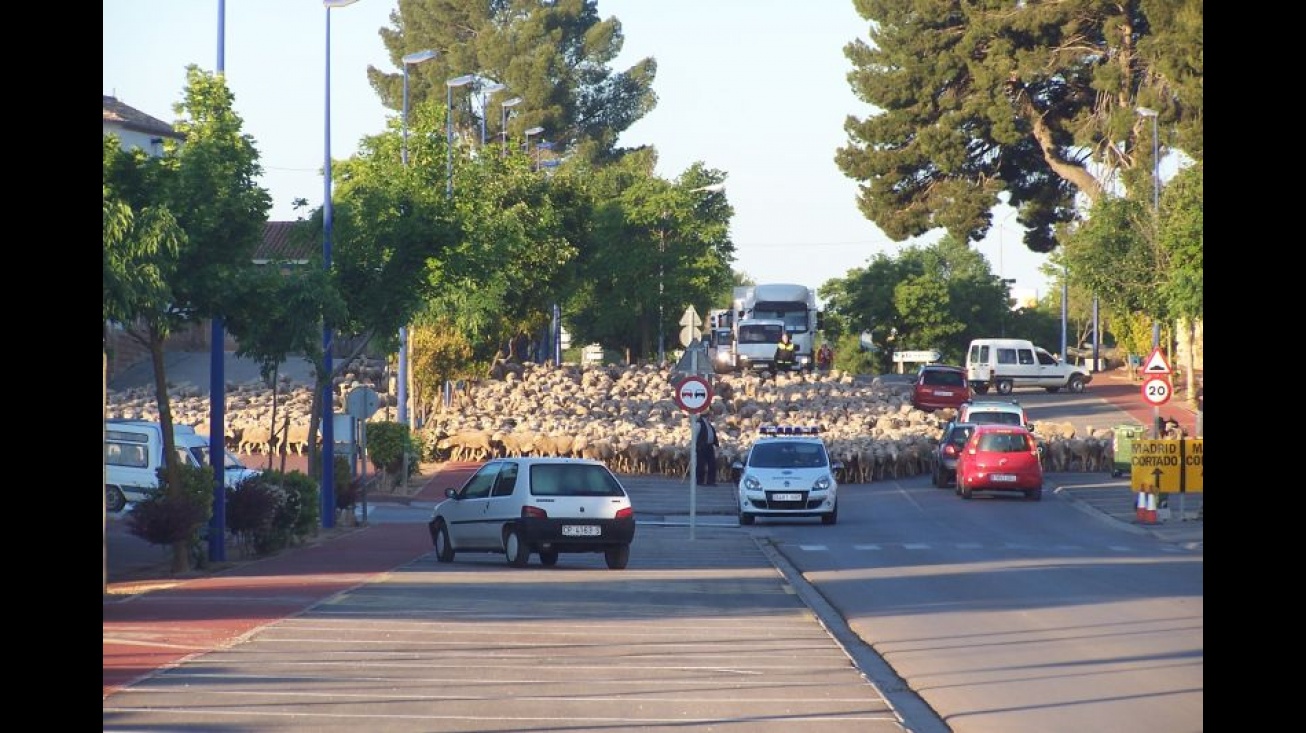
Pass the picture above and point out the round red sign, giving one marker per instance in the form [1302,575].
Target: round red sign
[1156,390]
[693,394]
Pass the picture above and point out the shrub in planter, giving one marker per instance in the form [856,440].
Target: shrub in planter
[166,519]
[387,443]
[252,511]
[305,522]
[346,488]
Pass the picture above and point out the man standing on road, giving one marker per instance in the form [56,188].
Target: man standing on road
[784,354]
[705,452]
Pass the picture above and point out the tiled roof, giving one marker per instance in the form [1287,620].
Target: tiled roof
[133,119]
[278,244]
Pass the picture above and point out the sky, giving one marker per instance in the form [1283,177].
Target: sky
[755,88]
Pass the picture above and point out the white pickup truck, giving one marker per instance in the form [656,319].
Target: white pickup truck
[1003,364]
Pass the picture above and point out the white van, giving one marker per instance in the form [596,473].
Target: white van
[133,453]
[1004,364]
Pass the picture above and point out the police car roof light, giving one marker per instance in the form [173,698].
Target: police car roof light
[789,429]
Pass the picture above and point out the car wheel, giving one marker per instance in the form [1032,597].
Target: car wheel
[1004,386]
[1076,384]
[832,517]
[517,551]
[443,547]
[617,557]
[114,501]
[1035,494]
[548,558]
[746,518]
[981,389]
[963,489]
[936,479]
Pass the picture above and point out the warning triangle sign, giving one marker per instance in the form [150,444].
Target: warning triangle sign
[1156,363]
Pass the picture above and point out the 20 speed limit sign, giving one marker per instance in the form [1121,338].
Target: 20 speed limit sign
[1156,390]
[693,394]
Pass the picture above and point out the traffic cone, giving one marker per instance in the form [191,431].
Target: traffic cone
[1150,517]
[1140,507]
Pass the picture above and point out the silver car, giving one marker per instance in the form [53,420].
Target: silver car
[547,506]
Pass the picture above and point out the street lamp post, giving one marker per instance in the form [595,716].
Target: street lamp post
[503,122]
[457,81]
[529,134]
[328,495]
[493,88]
[404,388]
[1156,213]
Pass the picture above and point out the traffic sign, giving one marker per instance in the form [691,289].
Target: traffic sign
[916,356]
[1156,390]
[1166,466]
[693,394]
[691,318]
[1156,363]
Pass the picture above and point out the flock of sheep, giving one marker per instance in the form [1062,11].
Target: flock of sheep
[625,416]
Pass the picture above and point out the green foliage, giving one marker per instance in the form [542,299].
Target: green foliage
[554,56]
[387,443]
[170,517]
[272,510]
[347,490]
[1034,100]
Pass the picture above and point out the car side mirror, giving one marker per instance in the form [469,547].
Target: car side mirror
[451,493]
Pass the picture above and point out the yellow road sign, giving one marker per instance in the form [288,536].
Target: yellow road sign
[1166,466]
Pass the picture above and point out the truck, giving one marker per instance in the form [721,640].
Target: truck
[762,312]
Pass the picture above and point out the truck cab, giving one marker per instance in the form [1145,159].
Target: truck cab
[755,343]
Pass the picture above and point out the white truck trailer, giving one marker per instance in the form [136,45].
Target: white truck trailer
[761,311]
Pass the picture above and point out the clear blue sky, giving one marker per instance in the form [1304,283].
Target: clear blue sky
[756,88]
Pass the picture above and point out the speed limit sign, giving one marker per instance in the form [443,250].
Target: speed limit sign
[1156,390]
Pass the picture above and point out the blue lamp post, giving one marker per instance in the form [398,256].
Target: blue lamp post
[328,504]
[218,386]
[1156,211]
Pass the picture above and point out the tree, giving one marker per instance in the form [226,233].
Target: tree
[1032,99]
[188,268]
[554,55]
[929,297]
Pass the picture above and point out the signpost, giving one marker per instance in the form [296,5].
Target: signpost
[693,394]
[1156,390]
[692,325]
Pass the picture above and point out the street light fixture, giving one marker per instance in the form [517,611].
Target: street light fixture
[328,493]
[503,121]
[529,134]
[457,81]
[411,59]
[493,88]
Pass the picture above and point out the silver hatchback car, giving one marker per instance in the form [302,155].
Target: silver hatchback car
[546,506]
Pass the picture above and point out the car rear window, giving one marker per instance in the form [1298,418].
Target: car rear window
[959,436]
[1004,443]
[943,379]
[994,418]
[558,479]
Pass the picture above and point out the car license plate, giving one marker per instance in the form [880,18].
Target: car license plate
[942,393]
[581,530]
[786,497]
[1002,477]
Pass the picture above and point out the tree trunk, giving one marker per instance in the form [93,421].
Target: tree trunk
[180,550]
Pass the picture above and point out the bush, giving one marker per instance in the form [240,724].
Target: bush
[270,511]
[387,442]
[346,489]
[164,519]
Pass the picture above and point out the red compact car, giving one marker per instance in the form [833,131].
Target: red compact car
[938,386]
[1000,458]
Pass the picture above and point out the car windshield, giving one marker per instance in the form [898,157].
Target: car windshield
[787,455]
[562,479]
[1004,443]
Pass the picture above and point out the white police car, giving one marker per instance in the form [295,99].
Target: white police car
[788,473]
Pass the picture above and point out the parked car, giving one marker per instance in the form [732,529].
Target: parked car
[546,506]
[133,455]
[1005,364]
[1000,458]
[1000,412]
[955,435]
[940,386]
[787,472]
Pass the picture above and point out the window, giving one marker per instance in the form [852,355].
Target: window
[1003,443]
[130,456]
[478,487]
[1006,356]
[507,479]
[1045,358]
[939,377]
[787,455]
[571,479]
[1026,356]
